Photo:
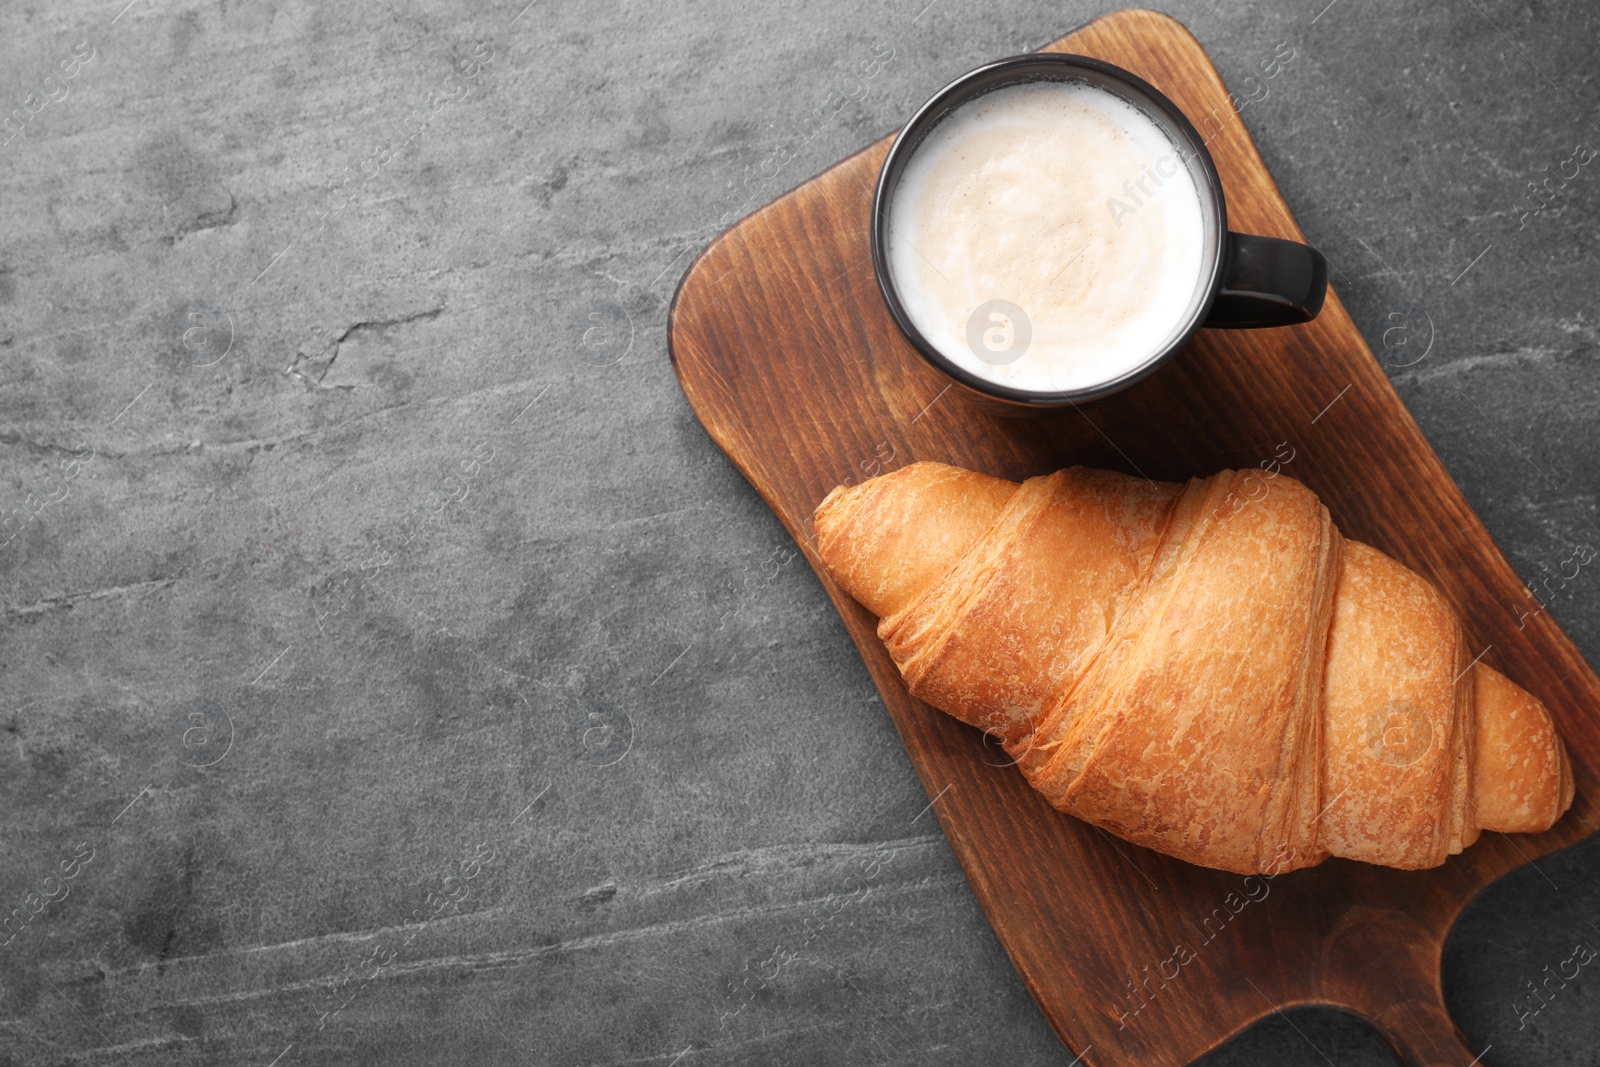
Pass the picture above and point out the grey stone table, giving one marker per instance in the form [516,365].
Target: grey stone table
[394,673]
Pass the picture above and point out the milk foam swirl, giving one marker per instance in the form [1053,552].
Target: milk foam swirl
[1056,212]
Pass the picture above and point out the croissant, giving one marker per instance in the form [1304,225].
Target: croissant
[1209,670]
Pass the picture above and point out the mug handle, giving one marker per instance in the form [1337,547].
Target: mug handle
[1267,281]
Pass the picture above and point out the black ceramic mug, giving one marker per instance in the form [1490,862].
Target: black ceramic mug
[1244,281]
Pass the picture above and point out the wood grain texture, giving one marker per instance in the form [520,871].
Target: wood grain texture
[786,352]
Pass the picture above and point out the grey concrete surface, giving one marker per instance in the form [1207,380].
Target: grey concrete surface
[394,673]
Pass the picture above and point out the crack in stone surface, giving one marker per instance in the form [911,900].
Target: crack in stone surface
[376,325]
[69,600]
[211,220]
[330,353]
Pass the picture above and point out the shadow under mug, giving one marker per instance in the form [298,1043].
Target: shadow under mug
[1244,282]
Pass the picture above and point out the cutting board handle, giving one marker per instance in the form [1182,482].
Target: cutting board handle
[1384,965]
[1423,1034]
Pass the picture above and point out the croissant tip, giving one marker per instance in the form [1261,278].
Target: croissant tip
[1569,784]
[828,516]
[827,501]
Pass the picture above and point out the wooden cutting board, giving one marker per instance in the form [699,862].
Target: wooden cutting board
[783,345]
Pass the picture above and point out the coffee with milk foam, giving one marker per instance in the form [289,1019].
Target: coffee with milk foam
[1047,236]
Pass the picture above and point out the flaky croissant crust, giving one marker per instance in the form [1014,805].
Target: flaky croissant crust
[1207,671]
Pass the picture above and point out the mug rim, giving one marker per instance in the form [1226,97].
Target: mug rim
[969,86]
